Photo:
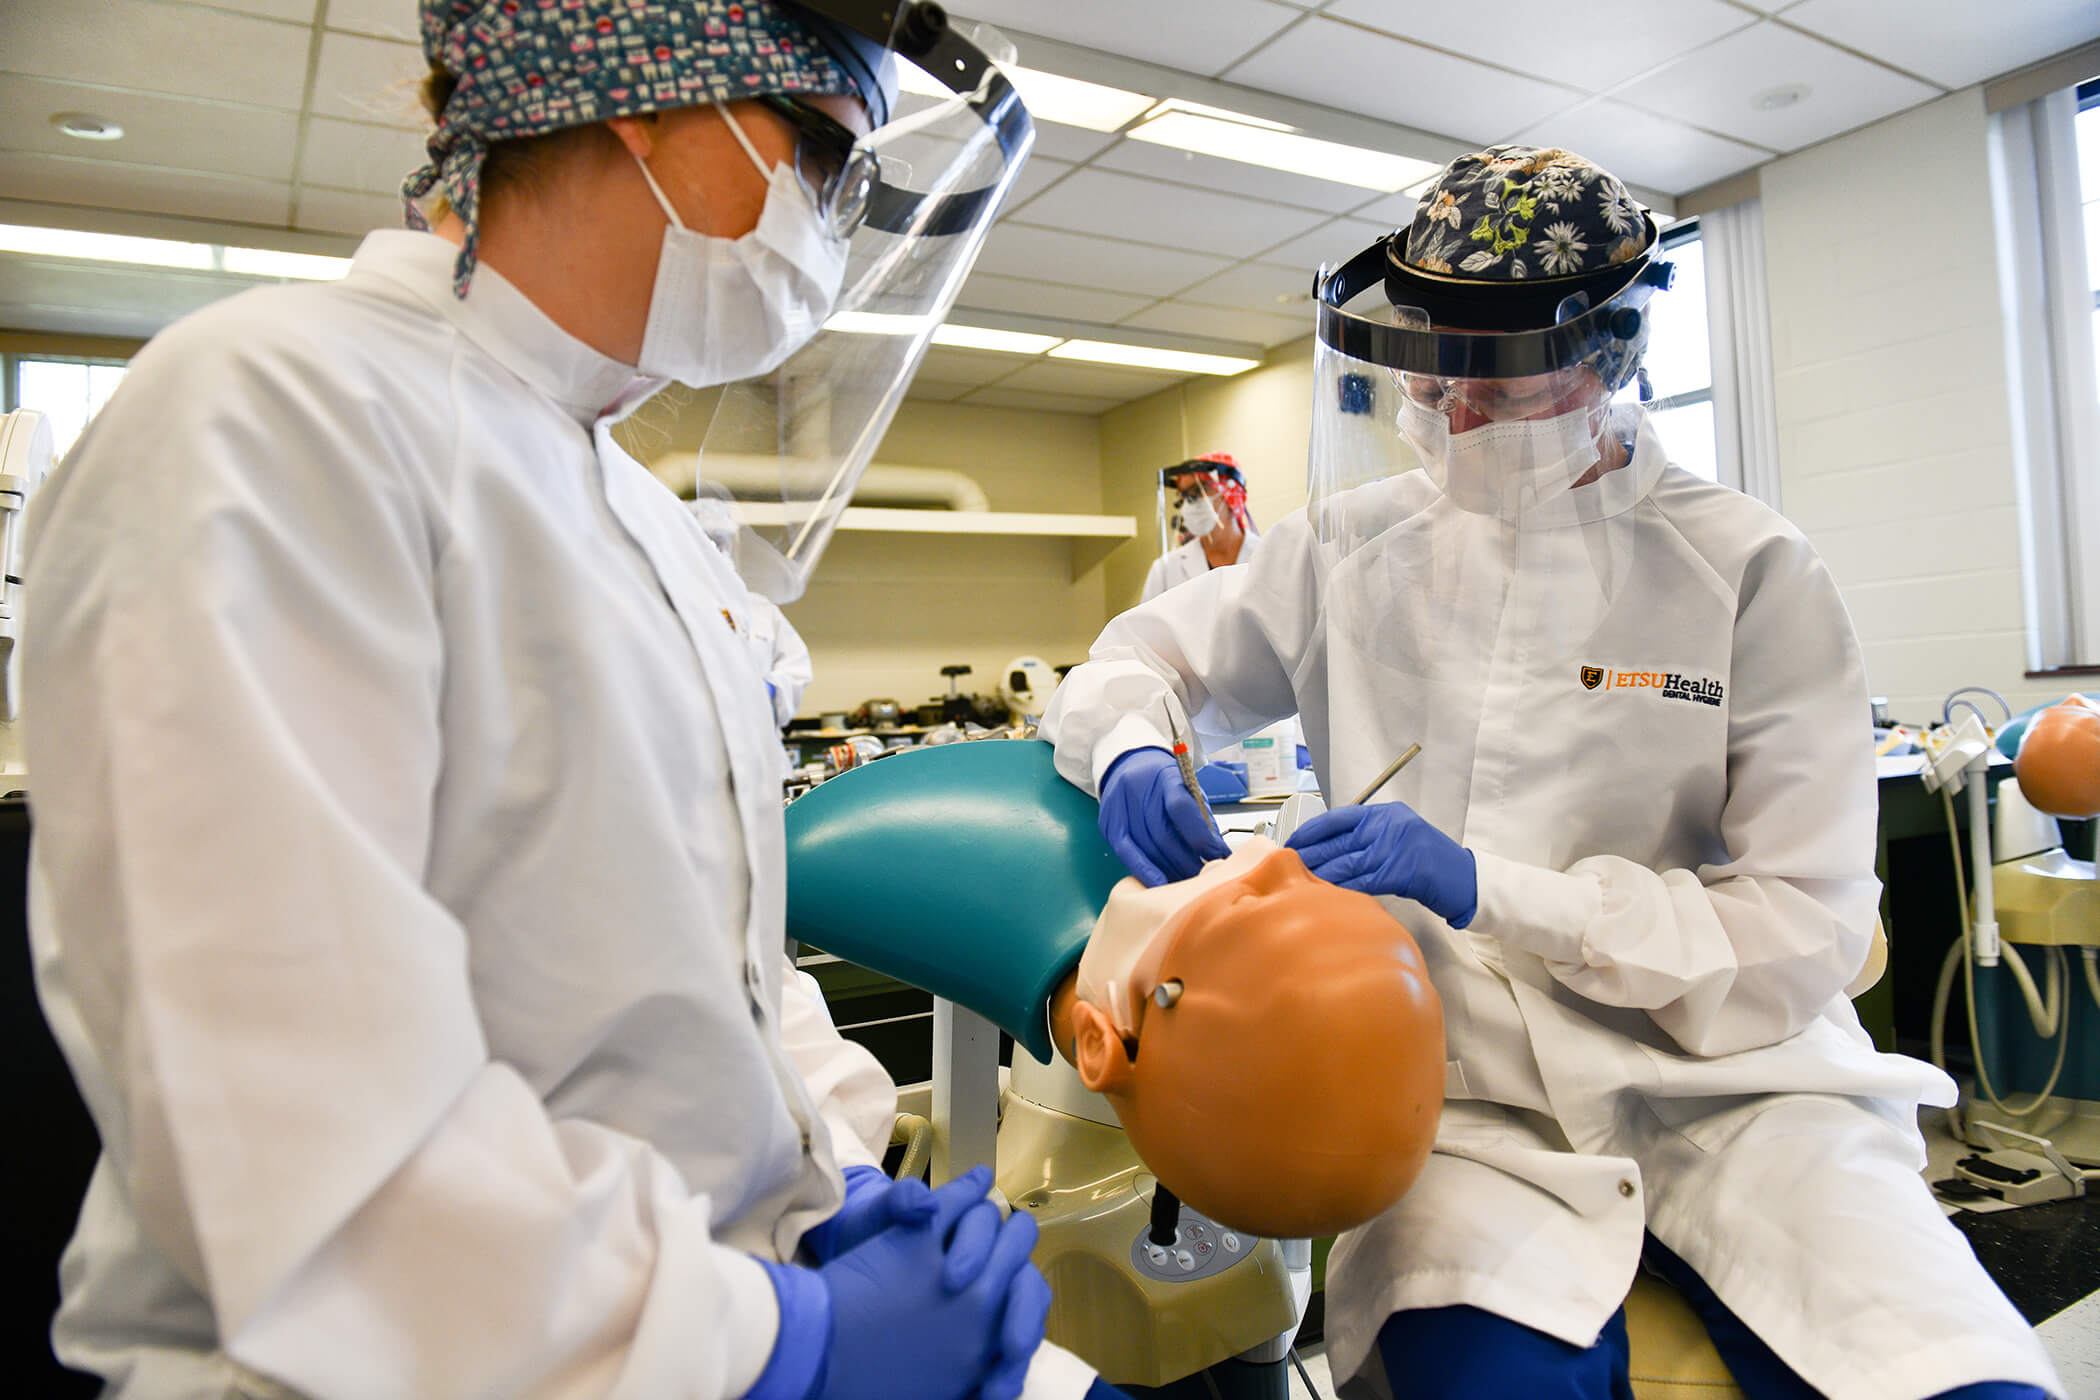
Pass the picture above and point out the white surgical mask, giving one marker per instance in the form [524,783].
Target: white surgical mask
[732,308]
[1513,469]
[1198,516]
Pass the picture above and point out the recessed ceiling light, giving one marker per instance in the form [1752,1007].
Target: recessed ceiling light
[1102,352]
[1253,141]
[87,126]
[1772,99]
[1049,97]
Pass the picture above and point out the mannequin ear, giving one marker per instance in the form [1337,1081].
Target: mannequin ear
[1104,1067]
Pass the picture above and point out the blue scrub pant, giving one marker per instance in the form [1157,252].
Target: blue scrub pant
[1432,1353]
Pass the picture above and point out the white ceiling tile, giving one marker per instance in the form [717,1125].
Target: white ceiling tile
[1324,60]
[990,292]
[358,156]
[1643,148]
[105,184]
[1173,216]
[390,19]
[296,11]
[1093,381]
[1230,176]
[176,49]
[1330,243]
[948,365]
[1221,323]
[346,211]
[1592,45]
[1394,211]
[182,133]
[1046,403]
[935,391]
[1074,143]
[1955,42]
[1714,88]
[1255,287]
[369,80]
[1053,255]
[1195,36]
[1035,177]
[104,299]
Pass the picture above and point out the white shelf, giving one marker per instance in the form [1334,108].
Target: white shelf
[956,522]
[1092,536]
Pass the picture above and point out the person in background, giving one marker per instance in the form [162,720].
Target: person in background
[408,881]
[1636,848]
[1203,522]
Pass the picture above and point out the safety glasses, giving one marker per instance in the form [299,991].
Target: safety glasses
[837,169]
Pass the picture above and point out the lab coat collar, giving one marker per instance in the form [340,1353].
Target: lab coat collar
[503,321]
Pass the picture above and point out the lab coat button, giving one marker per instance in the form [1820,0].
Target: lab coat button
[1627,1189]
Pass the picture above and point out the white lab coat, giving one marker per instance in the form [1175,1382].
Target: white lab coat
[1185,561]
[1672,898]
[783,657]
[407,886]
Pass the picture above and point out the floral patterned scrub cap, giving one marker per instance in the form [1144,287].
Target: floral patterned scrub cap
[528,67]
[1511,212]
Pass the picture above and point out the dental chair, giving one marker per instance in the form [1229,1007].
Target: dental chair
[1013,842]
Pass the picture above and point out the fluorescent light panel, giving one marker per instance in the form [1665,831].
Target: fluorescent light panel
[1283,150]
[985,338]
[104,247]
[1050,97]
[1103,352]
[168,252]
[268,262]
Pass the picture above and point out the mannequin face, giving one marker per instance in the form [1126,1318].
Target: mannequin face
[2059,763]
[1292,1086]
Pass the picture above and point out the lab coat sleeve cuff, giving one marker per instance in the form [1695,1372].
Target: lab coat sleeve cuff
[860,1180]
[1130,731]
[802,1345]
[1541,911]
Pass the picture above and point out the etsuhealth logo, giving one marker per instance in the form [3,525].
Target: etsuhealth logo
[1669,685]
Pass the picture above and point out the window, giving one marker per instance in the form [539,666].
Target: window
[68,390]
[1680,361]
[2088,124]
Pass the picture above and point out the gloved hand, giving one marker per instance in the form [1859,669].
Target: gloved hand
[873,1203]
[1388,849]
[946,1309]
[1152,822]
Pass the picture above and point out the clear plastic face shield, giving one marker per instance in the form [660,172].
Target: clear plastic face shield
[1517,538]
[1508,395]
[914,200]
[1198,497]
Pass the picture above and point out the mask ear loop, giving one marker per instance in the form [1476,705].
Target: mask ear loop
[736,129]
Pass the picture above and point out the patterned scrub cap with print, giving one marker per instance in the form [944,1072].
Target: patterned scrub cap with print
[1512,212]
[528,67]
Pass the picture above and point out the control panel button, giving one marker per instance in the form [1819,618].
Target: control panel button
[1231,1243]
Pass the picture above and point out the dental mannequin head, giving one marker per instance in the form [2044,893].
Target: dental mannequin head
[2059,761]
[1276,1053]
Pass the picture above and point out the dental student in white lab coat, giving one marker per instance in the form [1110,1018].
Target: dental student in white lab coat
[407,889]
[1203,523]
[1637,846]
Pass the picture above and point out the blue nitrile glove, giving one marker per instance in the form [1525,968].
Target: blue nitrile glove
[1387,849]
[873,1203]
[943,1310]
[1152,822]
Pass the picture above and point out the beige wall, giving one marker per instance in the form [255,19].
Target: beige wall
[1263,418]
[885,612]
[1895,435]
